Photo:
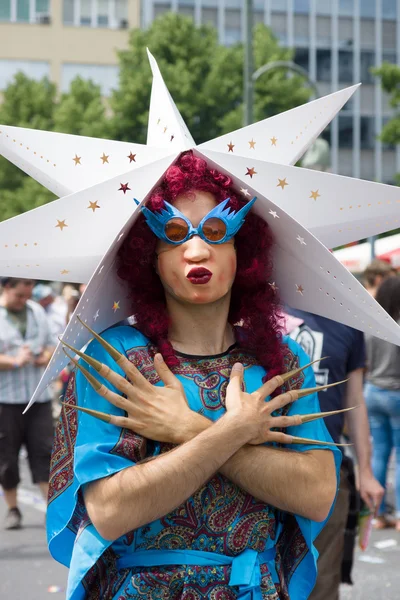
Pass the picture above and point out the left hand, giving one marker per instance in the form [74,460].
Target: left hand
[43,359]
[371,491]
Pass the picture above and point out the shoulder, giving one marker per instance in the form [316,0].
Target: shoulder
[37,310]
[294,351]
[124,336]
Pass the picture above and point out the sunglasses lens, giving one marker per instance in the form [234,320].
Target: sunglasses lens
[176,229]
[214,230]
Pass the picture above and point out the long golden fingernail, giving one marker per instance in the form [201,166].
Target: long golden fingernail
[94,413]
[110,349]
[301,440]
[93,362]
[295,372]
[92,380]
[322,415]
[307,391]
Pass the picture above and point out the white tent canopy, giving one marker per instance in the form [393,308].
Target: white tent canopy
[357,258]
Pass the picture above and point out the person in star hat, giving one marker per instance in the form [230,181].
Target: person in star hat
[190,459]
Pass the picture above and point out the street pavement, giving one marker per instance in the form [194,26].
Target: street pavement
[27,570]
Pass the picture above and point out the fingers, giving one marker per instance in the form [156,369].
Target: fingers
[270,386]
[294,372]
[129,369]
[301,440]
[292,395]
[164,373]
[101,389]
[122,422]
[300,419]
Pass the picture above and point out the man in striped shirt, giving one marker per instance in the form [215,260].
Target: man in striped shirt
[26,346]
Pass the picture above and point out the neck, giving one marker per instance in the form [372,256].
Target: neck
[200,329]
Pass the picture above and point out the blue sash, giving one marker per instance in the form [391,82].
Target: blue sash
[245,571]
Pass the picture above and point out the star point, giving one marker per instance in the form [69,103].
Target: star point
[61,224]
[124,187]
[282,183]
[301,240]
[245,192]
[299,289]
[64,272]
[252,144]
[315,195]
[230,147]
[274,214]
[273,141]
[93,205]
[251,172]
[77,160]
[105,158]
[116,306]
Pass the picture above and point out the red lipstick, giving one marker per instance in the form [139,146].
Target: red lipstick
[199,276]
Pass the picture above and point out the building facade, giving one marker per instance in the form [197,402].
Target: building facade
[65,38]
[337,42]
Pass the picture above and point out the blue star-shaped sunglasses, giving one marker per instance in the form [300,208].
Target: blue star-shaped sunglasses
[217,227]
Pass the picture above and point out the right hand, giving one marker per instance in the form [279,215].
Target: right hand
[255,413]
[24,356]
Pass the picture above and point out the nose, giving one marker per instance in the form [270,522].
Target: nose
[196,249]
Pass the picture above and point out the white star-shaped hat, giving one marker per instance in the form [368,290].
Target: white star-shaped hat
[77,237]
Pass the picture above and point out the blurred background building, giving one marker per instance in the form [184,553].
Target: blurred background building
[336,41]
[65,38]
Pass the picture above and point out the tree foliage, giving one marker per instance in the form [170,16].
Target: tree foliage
[204,78]
[390,79]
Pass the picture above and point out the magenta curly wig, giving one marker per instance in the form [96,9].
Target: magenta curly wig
[254,309]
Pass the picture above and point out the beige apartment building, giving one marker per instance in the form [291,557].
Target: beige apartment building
[62,39]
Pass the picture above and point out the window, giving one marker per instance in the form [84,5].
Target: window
[160,9]
[278,5]
[345,132]
[389,9]
[233,31]
[106,76]
[5,10]
[367,133]
[346,8]
[103,13]
[367,60]
[324,65]
[367,8]
[209,16]
[32,68]
[345,66]
[301,57]
[324,7]
[302,6]
[23,11]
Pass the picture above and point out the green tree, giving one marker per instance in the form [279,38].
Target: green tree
[204,78]
[82,111]
[34,104]
[390,79]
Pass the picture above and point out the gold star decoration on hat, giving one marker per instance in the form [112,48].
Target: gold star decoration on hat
[61,224]
[282,183]
[93,206]
[315,195]
[104,158]
[273,141]
[230,147]
[77,160]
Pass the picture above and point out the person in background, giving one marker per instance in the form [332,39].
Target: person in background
[375,274]
[26,346]
[345,351]
[55,307]
[382,394]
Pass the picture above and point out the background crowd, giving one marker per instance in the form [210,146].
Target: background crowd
[34,314]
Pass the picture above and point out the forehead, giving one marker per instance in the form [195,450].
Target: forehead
[195,205]
[22,288]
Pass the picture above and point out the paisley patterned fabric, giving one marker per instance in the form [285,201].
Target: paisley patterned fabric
[219,518]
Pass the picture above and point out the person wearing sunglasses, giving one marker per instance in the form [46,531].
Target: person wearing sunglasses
[194,471]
